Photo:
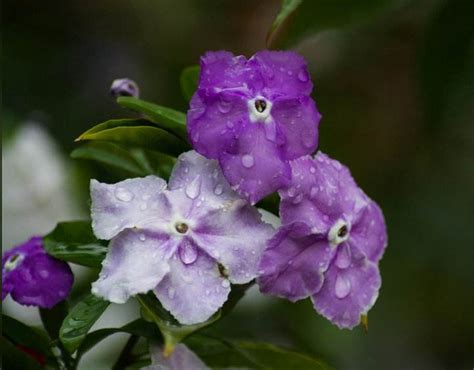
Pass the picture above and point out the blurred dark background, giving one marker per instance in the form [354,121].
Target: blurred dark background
[396,93]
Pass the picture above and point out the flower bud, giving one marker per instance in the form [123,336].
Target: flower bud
[124,87]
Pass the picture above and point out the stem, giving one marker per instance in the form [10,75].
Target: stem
[123,359]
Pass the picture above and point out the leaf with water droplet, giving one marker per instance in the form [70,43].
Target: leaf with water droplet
[79,321]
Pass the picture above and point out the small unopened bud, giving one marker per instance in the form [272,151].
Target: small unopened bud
[124,87]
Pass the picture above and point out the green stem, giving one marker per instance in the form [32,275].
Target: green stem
[124,358]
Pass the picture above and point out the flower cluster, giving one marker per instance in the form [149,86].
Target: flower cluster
[256,117]
[32,277]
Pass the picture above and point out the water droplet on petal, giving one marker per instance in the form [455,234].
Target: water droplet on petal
[188,252]
[186,169]
[312,169]
[123,194]
[247,161]
[218,189]
[343,259]
[44,273]
[142,237]
[270,131]
[193,189]
[298,199]
[313,192]
[303,75]
[290,73]
[291,192]
[171,292]
[143,206]
[224,106]
[343,286]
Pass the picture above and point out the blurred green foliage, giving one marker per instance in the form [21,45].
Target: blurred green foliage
[396,95]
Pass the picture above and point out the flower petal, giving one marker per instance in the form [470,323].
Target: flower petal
[369,234]
[200,178]
[182,358]
[41,281]
[298,119]
[236,237]
[257,167]
[193,292]
[283,72]
[294,262]
[126,204]
[137,260]
[349,292]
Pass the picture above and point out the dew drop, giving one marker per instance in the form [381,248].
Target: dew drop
[193,189]
[143,206]
[123,194]
[291,192]
[171,292]
[313,192]
[218,189]
[224,106]
[270,131]
[312,170]
[303,75]
[298,199]
[247,161]
[343,287]
[142,237]
[188,253]
[290,73]
[44,273]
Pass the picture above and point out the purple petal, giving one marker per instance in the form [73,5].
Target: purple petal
[348,292]
[298,119]
[193,292]
[32,277]
[257,167]
[294,262]
[369,234]
[137,260]
[283,72]
[236,237]
[215,121]
[182,358]
[126,204]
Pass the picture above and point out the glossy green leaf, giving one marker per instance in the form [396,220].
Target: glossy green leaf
[138,327]
[168,119]
[189,81]
[110,154]
[298,19]
[113,123]
[146,137]
[75,242]
[79,321]
[218,353]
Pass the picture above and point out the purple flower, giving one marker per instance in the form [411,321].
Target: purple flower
[329,245]
[187,241]
[34,278]
[253,116]
[124,87]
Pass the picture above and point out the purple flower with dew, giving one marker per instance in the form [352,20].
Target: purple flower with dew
[182,358]
[187,241]
[329,245]
[124,87]
[34,278]
[253,116]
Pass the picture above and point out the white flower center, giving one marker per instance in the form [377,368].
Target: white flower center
[338,233]
[259,109]
[14,261]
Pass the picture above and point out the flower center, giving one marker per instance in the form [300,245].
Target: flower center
[13,262]
[260,109]
[338,233]
[181,227]
[260,105]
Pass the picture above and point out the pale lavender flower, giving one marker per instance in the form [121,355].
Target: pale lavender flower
[187,241]
[124,87]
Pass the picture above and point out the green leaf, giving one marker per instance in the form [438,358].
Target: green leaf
[169,119]
[189,81]
[298,19]
[146,137]
[113,123]
[173,332]
[79,321]
[218,353]
[110,154]
[19,333]
[138,327]
[75,242]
